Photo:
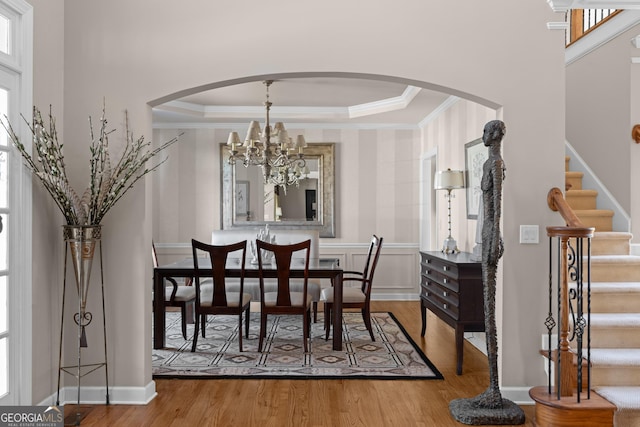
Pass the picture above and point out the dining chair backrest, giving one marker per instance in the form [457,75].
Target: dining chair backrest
[371,264]
[372,245]
[218,256]
[154,255]
[283,256]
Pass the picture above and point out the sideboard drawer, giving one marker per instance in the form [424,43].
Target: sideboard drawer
[442,299]
[436,266]
[447,282]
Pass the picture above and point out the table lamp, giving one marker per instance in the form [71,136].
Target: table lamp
[449,180]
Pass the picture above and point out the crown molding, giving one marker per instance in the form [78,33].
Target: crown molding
[242,127]
[448,103]
[247,112]
[385,105]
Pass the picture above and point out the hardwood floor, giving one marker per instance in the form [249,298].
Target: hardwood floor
[316,402]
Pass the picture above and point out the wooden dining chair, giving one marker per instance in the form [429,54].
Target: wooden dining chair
[284,300]
[355,296]
[177,295]
[215,298]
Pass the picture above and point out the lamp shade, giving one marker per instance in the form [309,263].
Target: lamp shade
[234,139]
[448,180]
[253,134]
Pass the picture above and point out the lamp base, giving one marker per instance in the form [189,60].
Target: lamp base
[450,246]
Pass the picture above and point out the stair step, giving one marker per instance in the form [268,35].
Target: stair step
[581,199]
[611,243]
[615,330]
[626,399]
[601,219]
[568,412]
[615,268]
[615,366]
[573,180]
[616,297]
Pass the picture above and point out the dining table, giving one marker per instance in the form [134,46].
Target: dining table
[320,268]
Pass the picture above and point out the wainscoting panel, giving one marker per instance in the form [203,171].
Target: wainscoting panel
[398,274]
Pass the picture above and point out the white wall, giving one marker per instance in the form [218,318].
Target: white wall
[599,96]
[499,53]
[47,258]
[634,157]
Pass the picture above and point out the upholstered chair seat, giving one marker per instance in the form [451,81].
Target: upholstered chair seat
[183,293]
[232,297]
[349,295]
[296,299]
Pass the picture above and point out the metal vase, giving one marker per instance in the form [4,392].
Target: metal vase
[82,240]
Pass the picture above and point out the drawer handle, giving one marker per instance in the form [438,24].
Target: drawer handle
[445,268]
[445,280]
[445,294]
[445,306]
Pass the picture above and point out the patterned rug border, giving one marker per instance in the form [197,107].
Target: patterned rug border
[436,375]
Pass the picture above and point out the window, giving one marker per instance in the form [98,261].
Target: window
[16,18]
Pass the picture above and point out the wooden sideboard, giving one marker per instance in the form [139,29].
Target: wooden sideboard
[451,287]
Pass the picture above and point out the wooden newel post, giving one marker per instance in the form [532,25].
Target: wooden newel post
[563,366]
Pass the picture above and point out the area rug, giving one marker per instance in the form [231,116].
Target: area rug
[394,355]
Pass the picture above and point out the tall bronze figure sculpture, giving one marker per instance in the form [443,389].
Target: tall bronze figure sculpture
[489,407]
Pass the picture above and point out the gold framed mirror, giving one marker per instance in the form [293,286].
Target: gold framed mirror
[248,202]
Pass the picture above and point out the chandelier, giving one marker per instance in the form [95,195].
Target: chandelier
[281,160]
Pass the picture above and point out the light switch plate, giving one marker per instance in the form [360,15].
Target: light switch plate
[529,234]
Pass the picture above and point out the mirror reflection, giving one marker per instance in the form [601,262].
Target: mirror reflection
[249,202]
[257,201]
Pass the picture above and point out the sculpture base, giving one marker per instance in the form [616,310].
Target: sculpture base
[468,412]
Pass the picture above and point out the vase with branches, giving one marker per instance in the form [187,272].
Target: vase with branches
[109,181]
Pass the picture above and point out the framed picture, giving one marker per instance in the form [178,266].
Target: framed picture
[242,198]
[475,154]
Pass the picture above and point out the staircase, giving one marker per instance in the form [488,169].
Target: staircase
[615,305]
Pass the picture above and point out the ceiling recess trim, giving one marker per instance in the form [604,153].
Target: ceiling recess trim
[385,105]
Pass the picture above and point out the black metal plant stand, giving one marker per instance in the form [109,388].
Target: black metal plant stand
[81,242]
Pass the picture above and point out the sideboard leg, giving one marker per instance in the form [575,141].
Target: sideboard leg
[459,344]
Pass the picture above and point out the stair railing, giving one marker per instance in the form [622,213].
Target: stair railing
[573,263]
[583,21]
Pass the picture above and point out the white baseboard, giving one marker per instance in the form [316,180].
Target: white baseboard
[478,340]
[97,395]
[518,395]
[635,249]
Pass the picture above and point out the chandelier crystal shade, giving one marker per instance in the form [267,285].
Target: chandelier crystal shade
[280,158]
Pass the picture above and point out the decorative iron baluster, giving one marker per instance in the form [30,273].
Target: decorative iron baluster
[550,322]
